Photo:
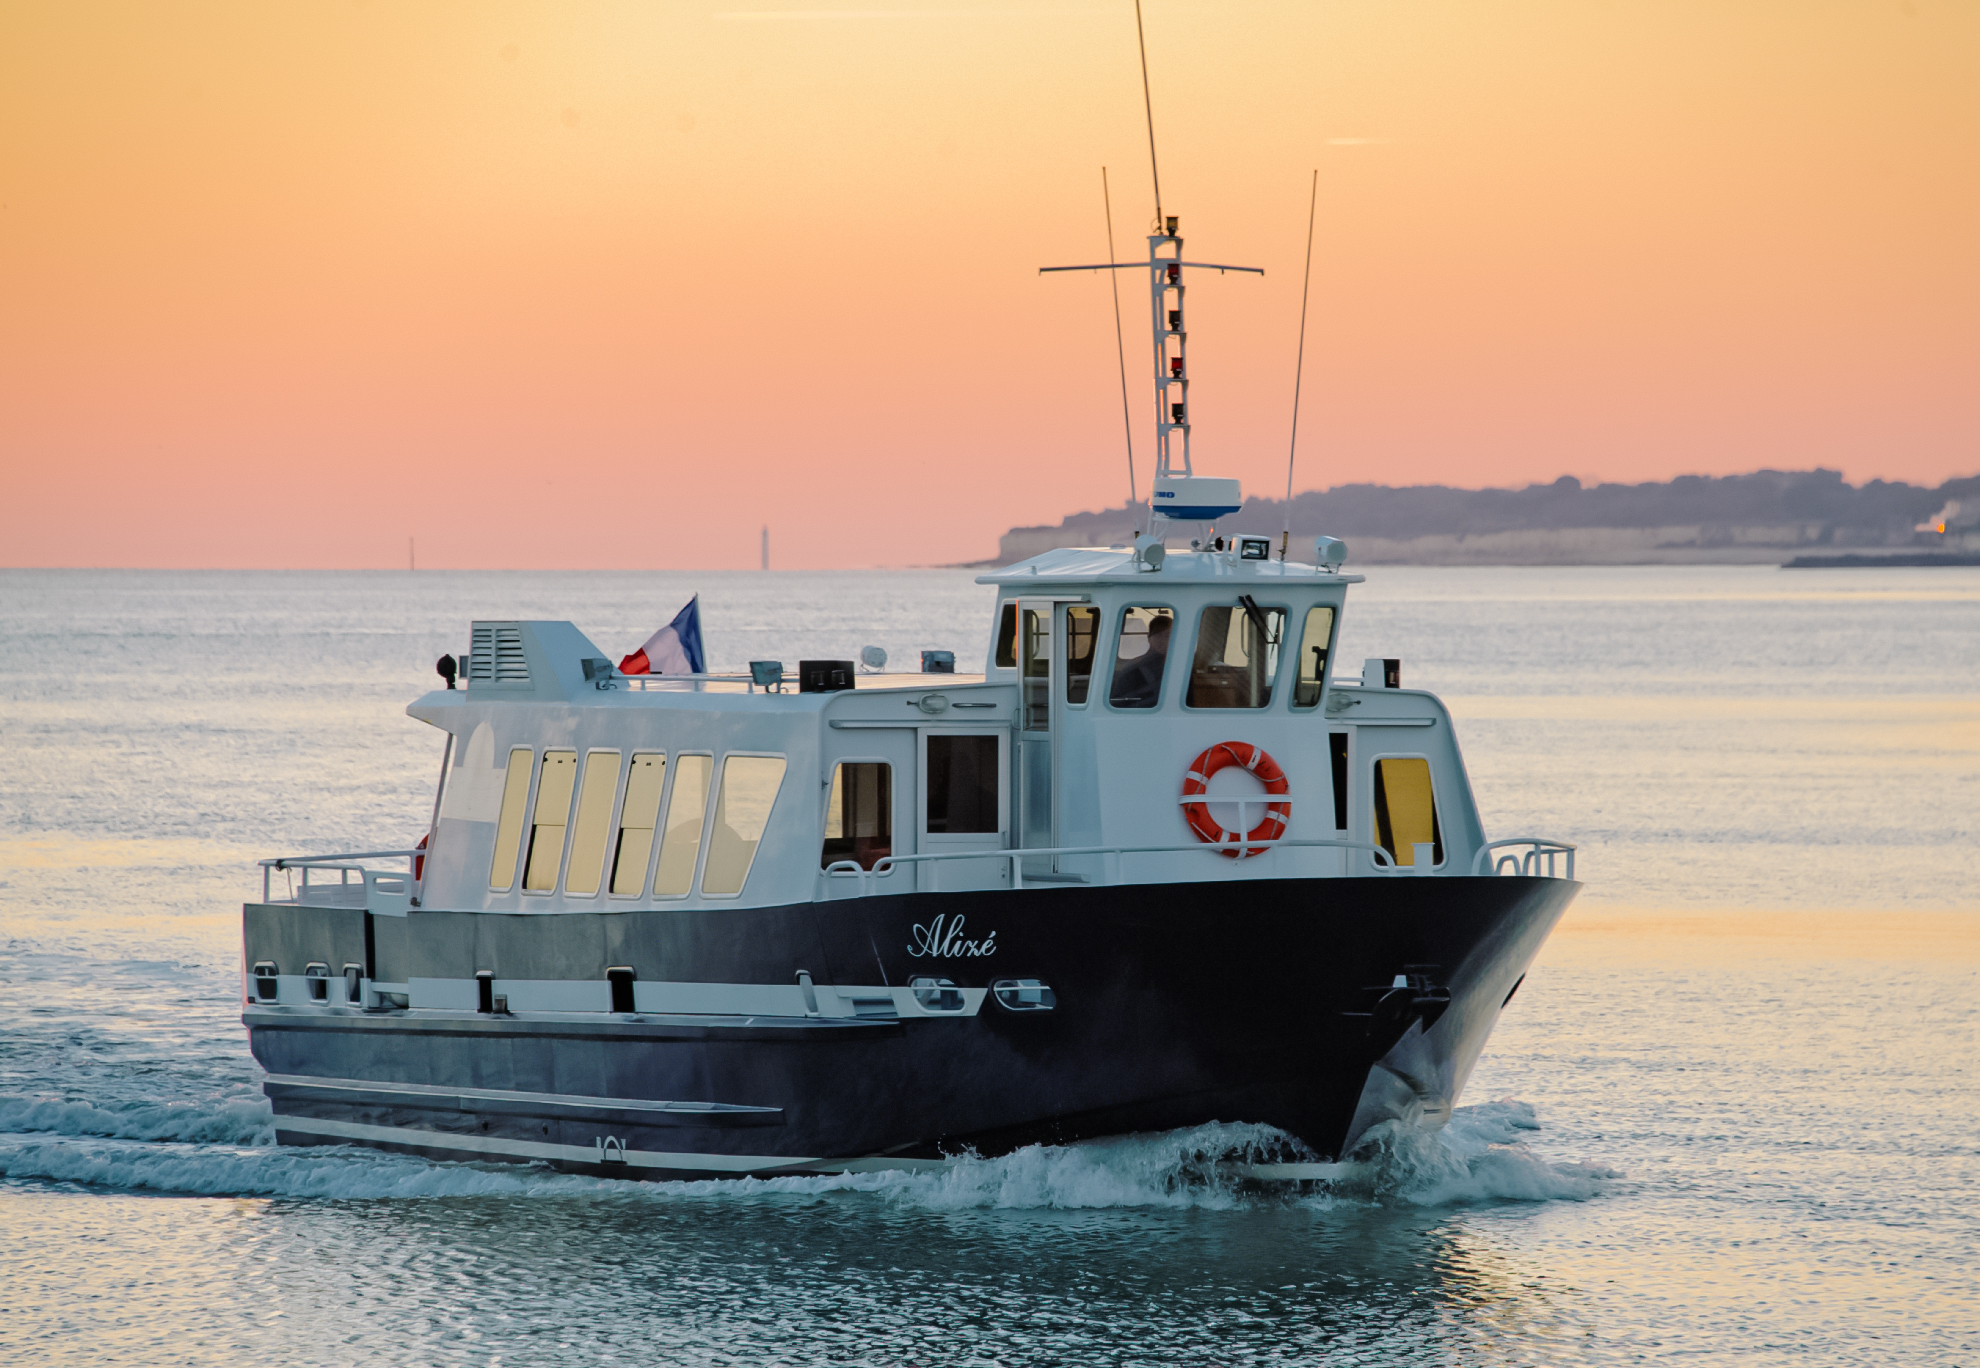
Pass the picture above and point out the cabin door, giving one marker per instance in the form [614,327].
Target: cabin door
[964,806]
[1038,670]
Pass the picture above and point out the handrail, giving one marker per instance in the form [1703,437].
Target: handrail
[789,685]
[341,863]
[297,861]
[886,863]
[1540,850]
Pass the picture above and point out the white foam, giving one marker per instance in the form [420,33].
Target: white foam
[1480,1156]
[232,1171]
[239,1120]
[1181,1168]
[224,1149]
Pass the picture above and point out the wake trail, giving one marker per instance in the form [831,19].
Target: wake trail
[225,1147]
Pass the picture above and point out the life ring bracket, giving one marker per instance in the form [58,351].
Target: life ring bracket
[1196,798]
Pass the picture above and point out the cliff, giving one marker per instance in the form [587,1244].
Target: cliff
[1764,517]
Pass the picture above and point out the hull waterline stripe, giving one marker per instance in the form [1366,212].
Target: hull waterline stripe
[738,1165]
[536,1149]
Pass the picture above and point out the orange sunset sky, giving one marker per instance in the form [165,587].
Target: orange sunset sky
[590,284]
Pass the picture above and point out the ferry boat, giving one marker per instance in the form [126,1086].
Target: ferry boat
[1157,864]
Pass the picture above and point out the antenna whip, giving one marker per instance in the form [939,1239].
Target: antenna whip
[1299,367]
[1148,103]
[1120,346]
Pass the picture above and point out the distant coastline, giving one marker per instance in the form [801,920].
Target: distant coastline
[1767,517]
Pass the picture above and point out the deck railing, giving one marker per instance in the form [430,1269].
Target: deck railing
[1531,856]
[727,683]
[384,889]
[841,869]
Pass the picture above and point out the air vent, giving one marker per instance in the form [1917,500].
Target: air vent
[498,655]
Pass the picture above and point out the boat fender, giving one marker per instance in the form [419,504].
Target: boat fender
[1196,802]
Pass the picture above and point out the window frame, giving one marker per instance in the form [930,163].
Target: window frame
[693,891]
[1004,606]
[1436,817]
[1333,636]
[1100,612]
[611,820]
[555,890]
[529,802]
[1113,657]
[893,806]
[718,784]
[1005,782]
[645,890]
[1272,696]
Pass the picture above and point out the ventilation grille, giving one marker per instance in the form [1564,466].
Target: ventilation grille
[498,655]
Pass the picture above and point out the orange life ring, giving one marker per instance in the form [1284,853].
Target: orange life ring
[419,859]
[1196,802]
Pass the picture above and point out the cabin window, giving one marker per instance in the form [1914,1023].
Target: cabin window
[1237,655]
[1313,645]
[1406,809]
[553,815]
[1337,749]
[1082,636]
[962,786]
[682,841]
[1141,653]
[509,827]
[1007,638]
[636,823]
[594,821]
[859,814]
[742,812]
[1037,669]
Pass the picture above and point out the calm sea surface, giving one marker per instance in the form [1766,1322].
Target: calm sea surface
[1734,1112]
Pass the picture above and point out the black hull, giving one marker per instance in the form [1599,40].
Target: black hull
[1176,1005]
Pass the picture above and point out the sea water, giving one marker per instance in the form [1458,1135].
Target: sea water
[1731,1115]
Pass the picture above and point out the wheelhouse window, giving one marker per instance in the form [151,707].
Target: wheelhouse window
[1237,655]
[1082,636]
[962,786]
[742,812]
[637,820]
[553,815]
[1037,669]
[859,814]
[1406,809]
[594,822]
[1314,643]
[1141,653]
[509,827]
[682,841]
[1007,638]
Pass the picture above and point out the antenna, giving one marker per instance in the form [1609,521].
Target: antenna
[1148,103]
[1299,367]
[1120,346]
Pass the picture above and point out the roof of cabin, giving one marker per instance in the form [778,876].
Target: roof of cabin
[1090,564]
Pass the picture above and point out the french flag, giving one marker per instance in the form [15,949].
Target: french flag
[674,649]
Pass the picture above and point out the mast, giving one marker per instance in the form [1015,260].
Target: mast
[1179,493]
[1165,301]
